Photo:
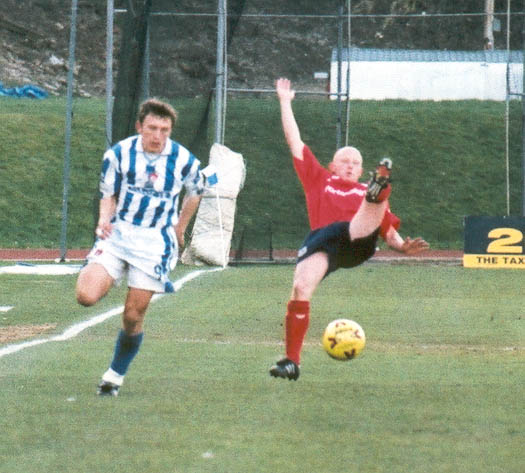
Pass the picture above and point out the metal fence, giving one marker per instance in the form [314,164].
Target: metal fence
[240,46]
[214,57]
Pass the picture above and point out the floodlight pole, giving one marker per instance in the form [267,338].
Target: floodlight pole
[69,115]
[523,119]
[339,78]
[348,55]
[219,80]
[110,11]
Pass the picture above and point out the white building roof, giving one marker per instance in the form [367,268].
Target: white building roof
[426,55]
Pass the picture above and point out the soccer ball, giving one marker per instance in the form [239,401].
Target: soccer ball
[343,339]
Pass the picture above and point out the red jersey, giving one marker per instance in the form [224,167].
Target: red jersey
[329,199]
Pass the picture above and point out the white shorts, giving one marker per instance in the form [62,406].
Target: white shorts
[147,255]
[117,268]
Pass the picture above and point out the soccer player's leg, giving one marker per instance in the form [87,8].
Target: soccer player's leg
[379,187]
[93,283]
[102,271]
[372,210]
[128,341]
[308,274]
[126,347]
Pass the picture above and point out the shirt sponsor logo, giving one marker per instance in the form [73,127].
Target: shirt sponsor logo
[150,192]
[331,190]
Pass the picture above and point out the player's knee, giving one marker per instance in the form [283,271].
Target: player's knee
[85,298]
[301,289]
[308,274]
[92,285]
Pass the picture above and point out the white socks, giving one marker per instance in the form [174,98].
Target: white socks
[112,376]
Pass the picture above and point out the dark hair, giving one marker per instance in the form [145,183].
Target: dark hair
[158,108]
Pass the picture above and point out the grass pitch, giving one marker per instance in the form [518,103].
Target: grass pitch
[439,386]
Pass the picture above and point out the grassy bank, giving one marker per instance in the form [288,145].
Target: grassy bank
[449,162]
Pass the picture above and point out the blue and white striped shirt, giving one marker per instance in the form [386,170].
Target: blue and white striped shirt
[147,187]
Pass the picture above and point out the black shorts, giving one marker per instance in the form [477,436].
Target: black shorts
[335,240]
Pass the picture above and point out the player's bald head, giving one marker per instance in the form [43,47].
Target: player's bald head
[348,152]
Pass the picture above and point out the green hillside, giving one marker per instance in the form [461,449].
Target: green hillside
[449,160]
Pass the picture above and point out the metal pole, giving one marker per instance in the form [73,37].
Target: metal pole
[272,91]
[348,47]
[522,97]
[488,27]
[507,112]
[109,72]
[219,86]
[225,71]
[339,78]
[146,63]
[69,116]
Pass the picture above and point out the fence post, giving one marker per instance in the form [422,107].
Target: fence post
[69,116]
[220,79]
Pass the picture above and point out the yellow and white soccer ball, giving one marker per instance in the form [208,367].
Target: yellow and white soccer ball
[344,339]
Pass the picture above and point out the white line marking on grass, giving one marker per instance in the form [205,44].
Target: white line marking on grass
[375,346]
[5,308]
[74,330]
[41,269]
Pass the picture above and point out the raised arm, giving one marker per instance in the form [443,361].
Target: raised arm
[286,94]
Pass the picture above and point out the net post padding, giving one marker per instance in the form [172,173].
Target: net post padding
[212,231]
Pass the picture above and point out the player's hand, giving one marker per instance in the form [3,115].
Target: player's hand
[104,230]
[412,246]
[284,89]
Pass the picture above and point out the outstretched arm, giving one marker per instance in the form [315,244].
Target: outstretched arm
[286,94]
[408,246]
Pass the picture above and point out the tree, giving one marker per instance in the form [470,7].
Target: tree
[488,30]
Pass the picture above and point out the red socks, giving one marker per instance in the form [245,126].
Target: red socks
[297,319]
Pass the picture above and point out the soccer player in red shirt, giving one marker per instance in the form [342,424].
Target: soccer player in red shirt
[346,218]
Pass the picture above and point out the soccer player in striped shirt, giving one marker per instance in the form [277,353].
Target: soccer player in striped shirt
[139,227]
[346,218]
